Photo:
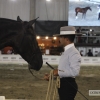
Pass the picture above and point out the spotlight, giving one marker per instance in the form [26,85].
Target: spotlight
[54,38]
[48,0]
[38,37]
[46,37]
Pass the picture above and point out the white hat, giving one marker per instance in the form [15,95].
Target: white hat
[66,30]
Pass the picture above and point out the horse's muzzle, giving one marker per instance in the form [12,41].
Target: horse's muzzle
[36,67]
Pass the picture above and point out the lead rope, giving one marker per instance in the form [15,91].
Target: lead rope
[52,93]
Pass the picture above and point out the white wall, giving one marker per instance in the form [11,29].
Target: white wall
[53,60]
[12,8]
[52,10]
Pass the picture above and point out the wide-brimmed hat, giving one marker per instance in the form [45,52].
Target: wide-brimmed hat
[66,30]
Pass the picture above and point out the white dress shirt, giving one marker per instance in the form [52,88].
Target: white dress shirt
[69,64]
[68,46]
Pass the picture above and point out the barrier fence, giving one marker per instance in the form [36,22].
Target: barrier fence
[53,60]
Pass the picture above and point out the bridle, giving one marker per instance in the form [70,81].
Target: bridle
[36,52]
[30,65]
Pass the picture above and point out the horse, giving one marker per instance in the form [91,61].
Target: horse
[21,36]
[82,10]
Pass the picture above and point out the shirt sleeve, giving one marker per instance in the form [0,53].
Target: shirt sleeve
[73,68]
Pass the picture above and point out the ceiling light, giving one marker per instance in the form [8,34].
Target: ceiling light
[48,0]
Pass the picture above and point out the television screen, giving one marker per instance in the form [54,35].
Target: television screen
[84,13]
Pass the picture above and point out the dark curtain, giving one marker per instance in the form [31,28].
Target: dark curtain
[49,28]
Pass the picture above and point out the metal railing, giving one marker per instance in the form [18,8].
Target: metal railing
[86,39]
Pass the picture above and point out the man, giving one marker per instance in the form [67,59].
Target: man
[90,54]
[69,64]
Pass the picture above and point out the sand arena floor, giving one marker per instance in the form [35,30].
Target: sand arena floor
[16,82]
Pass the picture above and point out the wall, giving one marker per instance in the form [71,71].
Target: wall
[53,60]
[52,10]
[13,8]
[30,9]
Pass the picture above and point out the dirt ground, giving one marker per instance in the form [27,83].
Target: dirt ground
[91,16]
[16,82]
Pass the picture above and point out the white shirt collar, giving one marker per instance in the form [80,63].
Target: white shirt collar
[68,46]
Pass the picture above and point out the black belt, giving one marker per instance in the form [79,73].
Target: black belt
[67,78]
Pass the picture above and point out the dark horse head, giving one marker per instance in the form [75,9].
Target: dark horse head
[20,35]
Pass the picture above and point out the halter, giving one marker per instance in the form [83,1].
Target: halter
[30,62]
[33,53]
[36,52]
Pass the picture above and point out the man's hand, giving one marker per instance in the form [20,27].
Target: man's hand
[46,77]
[55,72]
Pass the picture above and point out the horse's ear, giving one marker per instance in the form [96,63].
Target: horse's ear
[18,19]
[32,21]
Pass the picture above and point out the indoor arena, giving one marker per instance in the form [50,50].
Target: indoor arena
[49,49]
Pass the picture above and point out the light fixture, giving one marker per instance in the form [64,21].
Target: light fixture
[90,30]
[38,37]
[48,0]
[46,37]
[54,38]
[42,44]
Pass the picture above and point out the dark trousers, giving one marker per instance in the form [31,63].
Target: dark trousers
[68,89]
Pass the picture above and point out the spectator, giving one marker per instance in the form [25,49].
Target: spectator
[78,30]
[90,54]
[98,55]
[98,41]
[79,35]
[81,52]
[9,52]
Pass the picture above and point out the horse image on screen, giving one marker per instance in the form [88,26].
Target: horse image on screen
[21,36]
[84,13]
[82,10]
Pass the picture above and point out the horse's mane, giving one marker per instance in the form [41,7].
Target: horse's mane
[87,7]
[7,20]
[8,24]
